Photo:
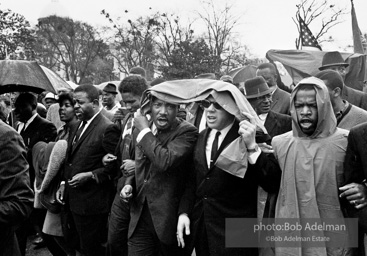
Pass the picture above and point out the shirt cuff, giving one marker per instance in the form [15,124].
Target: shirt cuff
[142,134]
[252,157]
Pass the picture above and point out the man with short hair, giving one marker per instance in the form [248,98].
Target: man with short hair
[87,185]
[33,128]
[281,98]
[109,98]
[347,115]
[163,147]
[137,71]
[131,88]
[334,61]
[311,158]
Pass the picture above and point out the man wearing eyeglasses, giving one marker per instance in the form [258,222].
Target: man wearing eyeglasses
[259,96]
[163,146]
[219,194]
[281,98]
[334,61]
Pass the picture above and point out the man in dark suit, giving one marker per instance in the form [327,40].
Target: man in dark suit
[355,173]
[281,98]
[334,61]
[33,129]
[162,150]
[87,184]
[219,194]
[16,195]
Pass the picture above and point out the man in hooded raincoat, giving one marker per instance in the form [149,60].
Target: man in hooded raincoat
[311,157]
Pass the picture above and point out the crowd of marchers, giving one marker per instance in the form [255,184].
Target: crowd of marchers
[160,172]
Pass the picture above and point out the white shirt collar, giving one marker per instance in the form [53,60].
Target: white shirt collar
[26,124]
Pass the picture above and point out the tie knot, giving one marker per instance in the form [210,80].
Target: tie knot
[217,134]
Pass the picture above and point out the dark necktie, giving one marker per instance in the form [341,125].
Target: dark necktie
[214,149]
[79,132]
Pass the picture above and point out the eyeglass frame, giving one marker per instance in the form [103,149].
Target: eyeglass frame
[207,104]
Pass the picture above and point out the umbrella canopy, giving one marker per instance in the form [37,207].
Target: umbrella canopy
[240,75]
[24,76]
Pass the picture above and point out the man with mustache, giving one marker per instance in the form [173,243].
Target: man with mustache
[163,147]
[280,98]
[86,185]
[311,157]
[259,96]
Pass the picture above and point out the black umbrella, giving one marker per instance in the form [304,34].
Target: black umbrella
[21,76]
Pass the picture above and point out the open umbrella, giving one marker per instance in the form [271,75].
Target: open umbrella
[240,75]
[23,76]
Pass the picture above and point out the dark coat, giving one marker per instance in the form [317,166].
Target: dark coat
[281,102]
[16,196]
[220,195]
[277,123]
[355,166]
[38,130]
[355,97]
[86,156]
[160,174]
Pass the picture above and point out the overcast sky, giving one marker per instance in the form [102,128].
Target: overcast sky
[265,24]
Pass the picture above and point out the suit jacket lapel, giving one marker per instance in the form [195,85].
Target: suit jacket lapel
[270,122]
[202,158]
[231,136]
[85,133]
[275,98]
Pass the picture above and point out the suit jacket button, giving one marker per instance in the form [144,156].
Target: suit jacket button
[207,178]
[145,181]
[205,197]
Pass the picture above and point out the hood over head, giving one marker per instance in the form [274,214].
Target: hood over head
[326,124]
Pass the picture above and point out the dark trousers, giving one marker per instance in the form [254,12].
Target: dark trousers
[145,242]
[118,227]
[85,233]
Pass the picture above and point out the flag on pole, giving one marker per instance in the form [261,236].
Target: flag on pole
[308,40]
[359,42]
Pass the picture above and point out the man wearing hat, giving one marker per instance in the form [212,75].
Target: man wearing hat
[347,115]
[259,96]
[334,61]
[280,98]
[50,99]
[109,98]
